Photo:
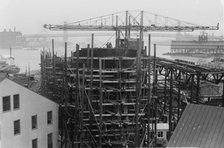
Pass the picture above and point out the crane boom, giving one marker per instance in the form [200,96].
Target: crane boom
[122,28]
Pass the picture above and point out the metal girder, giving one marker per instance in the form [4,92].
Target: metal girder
[132,27]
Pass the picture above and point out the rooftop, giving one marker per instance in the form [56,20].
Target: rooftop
[199,126]
[2,76]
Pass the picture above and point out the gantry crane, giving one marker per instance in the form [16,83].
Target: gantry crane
[141,22]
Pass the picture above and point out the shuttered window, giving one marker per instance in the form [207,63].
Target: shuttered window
[16,103]
[34,143]
[34,121]
[6,103]
[49,117]
[49,140]
[16,127]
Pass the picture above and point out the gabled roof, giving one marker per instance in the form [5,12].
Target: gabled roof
[2,76]
[14,83]
[199,126]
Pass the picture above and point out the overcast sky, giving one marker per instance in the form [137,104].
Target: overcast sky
[29,16]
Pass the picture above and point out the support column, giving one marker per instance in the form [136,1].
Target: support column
[101,103]
[91,82]
[126,25]
[82,106]
[91,68]
[117,34]
[222,93]
[171,103]
[141,30]
[165,89]
[149,87]
[198,89]
[155,97]
[138,92]
[178,101]
[192,88]
[65,92]
[53,65]
[76,96]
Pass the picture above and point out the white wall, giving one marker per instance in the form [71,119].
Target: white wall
[30,104]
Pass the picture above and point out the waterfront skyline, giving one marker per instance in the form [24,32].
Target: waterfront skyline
[28,16]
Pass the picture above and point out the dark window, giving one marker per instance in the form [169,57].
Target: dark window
[49,117]
[34,143]
[16,101]
[6,103]
[49,141]
[16,127]
[34,121]
[160,134]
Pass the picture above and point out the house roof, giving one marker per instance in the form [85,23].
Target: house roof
[6,78]
[199,126]
[2,76]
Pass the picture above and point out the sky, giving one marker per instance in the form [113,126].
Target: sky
[29,16]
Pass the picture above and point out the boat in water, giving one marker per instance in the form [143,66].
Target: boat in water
[7,65]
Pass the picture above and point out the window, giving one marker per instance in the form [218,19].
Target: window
[16,101]
[49,141]
[6,103]
[49,117]
[34,143]
[34,121]
[160,134]
[16,127]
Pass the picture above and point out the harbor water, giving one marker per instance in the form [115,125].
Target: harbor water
[31,58]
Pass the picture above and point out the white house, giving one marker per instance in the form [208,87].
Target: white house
[27,119]
[162,129]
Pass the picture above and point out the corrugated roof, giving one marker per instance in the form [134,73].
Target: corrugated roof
[199,126]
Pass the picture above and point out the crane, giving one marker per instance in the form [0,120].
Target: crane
[129,21]
[132,27]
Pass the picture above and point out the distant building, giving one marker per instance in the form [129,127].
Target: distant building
[27,119]
[10,39]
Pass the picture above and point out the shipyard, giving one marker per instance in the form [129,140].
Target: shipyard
[111,75]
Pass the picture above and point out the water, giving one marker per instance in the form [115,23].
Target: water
[24,58]
[31,58]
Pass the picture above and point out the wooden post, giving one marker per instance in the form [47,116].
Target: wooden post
[82,106]
[53,64]
[65,91]
[117,34]
[138,92]
[91,68]
[192,88]
[91,81]
[165,89]
[178,101]
[77,95]
[171,103]
[198,89]
[149,87]
[101,102]
[222,93]
[88,48]
[155,91]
